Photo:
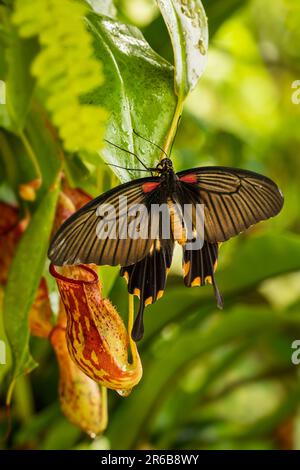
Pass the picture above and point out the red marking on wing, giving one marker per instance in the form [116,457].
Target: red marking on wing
[189,178]
[148,187]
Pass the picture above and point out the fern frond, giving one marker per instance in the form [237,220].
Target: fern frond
[65,68]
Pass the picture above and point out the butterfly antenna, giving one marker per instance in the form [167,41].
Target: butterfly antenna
[125,168]
[128,151]
[150,142]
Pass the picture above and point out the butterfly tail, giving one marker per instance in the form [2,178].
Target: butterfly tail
[199,268]
[147,280]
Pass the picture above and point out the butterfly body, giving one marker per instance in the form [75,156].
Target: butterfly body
[233,200]
[167,176]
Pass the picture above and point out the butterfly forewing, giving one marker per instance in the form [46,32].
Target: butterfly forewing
[92,236]
[233,199]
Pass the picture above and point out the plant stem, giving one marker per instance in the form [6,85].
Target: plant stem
[173,128]
[130,320]
[31,155]
[132,344]
[23,399]
[104,414]
[10,393]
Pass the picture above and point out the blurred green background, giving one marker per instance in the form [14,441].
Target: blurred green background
[212,380]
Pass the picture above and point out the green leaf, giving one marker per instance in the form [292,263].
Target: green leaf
[37,424]
[65,68]
[8,159]
[109,274]
[45,145]
[188,29]
[217,12]
[267,424]
[19,81]
[5,120]
[23,281]
[4,368]
[186,403]
[256,259]
[61,434]
[137,92]
[165,368]
[2,61]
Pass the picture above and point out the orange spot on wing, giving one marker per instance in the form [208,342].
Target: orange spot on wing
[148,187]
[190,178]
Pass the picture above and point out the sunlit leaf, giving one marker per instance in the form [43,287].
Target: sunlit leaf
[23,280]
[65,68]
[19,81]
[137,92]
[187,25]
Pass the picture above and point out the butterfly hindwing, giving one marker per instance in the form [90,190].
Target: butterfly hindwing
[199,267]
[147,279]
[233,199]
[80,238]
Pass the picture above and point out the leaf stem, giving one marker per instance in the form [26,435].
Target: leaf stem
[173,128]
[24,406]
[132,344]
[10,392]
[104,412]
[130,319]
[31,154]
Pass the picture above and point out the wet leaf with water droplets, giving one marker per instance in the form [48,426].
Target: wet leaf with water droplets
[137,92]
[187,24]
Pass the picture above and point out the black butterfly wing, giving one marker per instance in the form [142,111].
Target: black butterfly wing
[199,267]
[80,239]
[147,279]
[234,199]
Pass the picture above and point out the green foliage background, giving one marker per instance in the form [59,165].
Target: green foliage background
[212,380]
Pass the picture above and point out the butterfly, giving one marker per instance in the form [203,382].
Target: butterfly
[233,200]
